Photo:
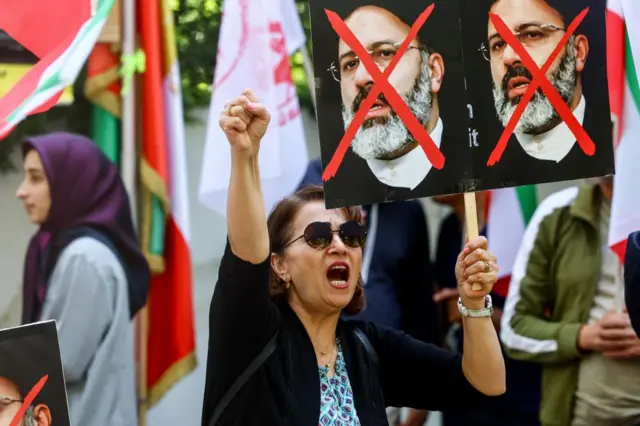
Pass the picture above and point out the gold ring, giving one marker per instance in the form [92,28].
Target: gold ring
[487,267]
[229,110]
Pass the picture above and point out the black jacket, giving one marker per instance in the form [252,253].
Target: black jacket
[285,391]
[632,279]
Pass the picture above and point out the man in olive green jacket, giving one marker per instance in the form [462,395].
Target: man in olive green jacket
[565,310]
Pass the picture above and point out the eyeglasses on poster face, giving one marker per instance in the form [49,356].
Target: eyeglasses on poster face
[381,53]
[531,36]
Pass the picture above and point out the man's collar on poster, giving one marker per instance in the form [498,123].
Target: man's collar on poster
[409,170]
[555,144]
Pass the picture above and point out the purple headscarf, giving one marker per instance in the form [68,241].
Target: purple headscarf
[86,193]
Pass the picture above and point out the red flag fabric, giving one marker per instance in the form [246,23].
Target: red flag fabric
[61,34]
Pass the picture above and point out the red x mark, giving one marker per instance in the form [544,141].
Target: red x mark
[29,400]
[539,79]
[381,85]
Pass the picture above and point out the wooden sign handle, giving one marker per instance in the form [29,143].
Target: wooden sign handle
[471,219]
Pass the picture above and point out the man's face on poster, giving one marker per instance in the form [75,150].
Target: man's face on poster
[383,134]
[10,403]
[539,28]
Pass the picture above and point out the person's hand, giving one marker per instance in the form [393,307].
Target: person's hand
[476,272]
[446,294]
[415,418]
[244,122]
[632,350]
[612,335]
[450,297]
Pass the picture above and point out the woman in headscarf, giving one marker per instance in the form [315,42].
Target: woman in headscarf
[84,268]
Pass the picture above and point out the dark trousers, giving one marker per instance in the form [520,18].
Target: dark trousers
[491,416]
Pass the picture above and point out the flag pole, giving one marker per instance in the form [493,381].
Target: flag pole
[128,151]
[128,161]
[141,328]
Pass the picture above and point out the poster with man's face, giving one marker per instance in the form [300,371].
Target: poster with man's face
[537,68]
[408,141]
[487,94]
[32,386]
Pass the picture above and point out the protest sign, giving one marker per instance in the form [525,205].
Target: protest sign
[387,125]
[424,98]
[32,385]
[537,79]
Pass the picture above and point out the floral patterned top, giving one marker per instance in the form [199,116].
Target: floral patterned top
[336,397]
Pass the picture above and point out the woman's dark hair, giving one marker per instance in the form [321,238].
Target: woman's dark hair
[280,225]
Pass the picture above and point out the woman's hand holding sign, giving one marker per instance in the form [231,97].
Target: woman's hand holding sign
[477,267]
[476,272]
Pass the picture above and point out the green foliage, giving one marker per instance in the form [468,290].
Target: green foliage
[197,27]
[197,30]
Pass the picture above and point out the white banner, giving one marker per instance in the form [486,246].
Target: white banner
[253,51]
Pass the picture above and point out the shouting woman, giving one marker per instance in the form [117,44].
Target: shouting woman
[279,352]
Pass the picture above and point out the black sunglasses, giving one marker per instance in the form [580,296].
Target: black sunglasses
[319,235]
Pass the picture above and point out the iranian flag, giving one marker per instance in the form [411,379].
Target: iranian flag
[510,210]
[102,88]
[167,328]
[623,53]
[61,34]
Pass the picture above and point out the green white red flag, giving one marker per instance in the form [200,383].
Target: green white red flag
[623,60]
[169,324]
[509,212]
[61,34]
[257,38]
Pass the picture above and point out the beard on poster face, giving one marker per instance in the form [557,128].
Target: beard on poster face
[540,114]
[382,135]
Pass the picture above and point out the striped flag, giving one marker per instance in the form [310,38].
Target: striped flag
[256,40]
[169,353]
[510,210]
[62,34]
[102,88]
[623,61]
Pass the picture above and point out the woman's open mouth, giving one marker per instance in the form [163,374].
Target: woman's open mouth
[338,275]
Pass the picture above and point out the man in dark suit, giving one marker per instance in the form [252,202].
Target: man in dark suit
[543,148]
[632,280]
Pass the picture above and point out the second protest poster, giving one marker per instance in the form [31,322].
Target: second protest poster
[457,72]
